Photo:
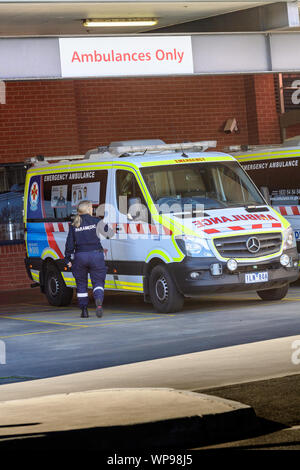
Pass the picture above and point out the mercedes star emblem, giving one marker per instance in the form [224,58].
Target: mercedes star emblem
[253,245]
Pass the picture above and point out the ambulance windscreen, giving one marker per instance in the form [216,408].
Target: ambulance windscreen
[213,185]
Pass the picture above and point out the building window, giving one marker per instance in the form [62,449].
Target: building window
[12,179]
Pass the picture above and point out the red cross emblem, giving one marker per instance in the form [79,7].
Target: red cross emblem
[34,192]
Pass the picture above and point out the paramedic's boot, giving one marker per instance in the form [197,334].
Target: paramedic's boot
[99,310]
[84,312]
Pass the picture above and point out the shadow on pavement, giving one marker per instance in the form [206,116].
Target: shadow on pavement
[171,435]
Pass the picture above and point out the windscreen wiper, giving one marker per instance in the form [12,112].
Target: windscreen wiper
[249,207]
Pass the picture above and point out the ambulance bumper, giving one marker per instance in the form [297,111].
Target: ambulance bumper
[191,285]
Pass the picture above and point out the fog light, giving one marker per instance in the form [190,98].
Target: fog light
[231,264]
[216,269]
[194,275]
[284,260]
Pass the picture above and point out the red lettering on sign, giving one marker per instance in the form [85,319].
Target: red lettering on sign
[87,57]
[76,57]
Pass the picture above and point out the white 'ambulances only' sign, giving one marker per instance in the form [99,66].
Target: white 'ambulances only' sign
[125,56]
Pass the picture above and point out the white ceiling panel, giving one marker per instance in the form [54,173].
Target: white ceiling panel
[61,18]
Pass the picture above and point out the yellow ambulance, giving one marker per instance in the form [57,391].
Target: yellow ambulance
[176,221]
[275,170]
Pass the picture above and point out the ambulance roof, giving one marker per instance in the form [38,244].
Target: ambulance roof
[138,153]
[141,161]
[175,157]
[267,152]
[289,148]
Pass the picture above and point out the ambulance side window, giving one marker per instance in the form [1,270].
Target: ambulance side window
[62,192]
[128,192]
[278,178]
[56,203]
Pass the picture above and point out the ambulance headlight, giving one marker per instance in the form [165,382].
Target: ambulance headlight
[232,265]
[289,240]
[194,246]
[284,260]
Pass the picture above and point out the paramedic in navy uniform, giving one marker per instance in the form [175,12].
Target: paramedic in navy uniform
[83,242]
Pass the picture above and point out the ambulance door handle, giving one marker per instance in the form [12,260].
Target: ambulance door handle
[117,228]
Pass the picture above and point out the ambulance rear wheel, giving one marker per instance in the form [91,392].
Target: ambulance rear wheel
[274,294]
[164,295]
[57,293]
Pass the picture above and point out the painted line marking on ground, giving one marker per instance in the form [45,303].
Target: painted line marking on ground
[41,332]
[129,320]
[79,326]
[68,313]
[117,317]
[124,318]
[38,321]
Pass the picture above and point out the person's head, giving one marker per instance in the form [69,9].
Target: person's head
[85,191]
[84,207]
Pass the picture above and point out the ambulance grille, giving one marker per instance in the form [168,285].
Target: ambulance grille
[236,246]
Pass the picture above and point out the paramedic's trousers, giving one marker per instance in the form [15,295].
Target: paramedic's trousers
[89,262]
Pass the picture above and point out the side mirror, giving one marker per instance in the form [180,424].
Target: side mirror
[266,193]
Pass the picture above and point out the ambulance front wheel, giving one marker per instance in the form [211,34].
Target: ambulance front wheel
[57,293]
[274,294]
[164,295]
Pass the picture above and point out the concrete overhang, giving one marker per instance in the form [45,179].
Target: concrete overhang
[273,17]
[64,17]
[149,55]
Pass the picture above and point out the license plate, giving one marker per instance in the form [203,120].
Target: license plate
[256,277]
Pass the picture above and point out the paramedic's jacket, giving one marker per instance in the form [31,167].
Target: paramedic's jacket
[83,238]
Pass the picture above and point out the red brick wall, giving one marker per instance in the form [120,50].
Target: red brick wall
[39,117]
[251,111]
[266,112]
[12,270]
[71,116]
[173,109]
[292,131]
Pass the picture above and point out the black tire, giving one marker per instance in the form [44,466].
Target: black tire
[56,291]
[274,294]
[164,295]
